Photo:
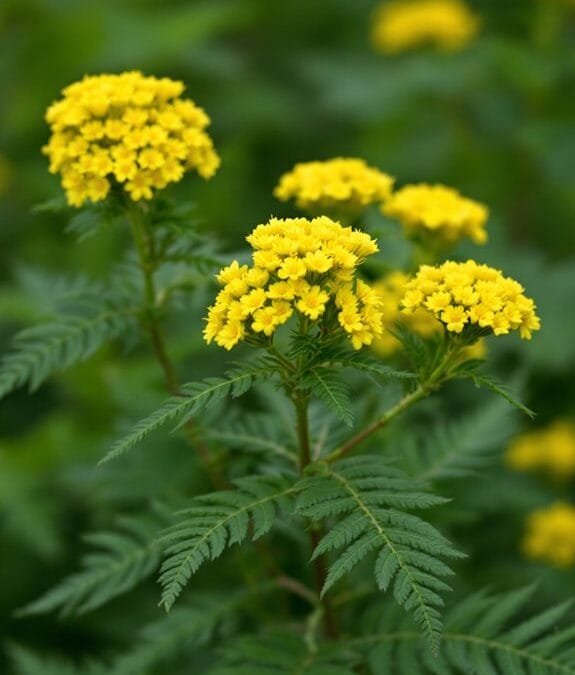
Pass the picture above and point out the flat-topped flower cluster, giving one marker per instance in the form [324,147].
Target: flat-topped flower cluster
[340,183]
[550,535]
[301,266]
[126,130]
[471,294]
[438,210]
[400,25]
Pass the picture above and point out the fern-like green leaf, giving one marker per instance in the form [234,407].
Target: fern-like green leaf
[278,654]
[123,559]
[489,382]
[43,350]
[369,498]
[329,386]
[484,635]
[459,448]
[254,433]
[177,410]
[217,521]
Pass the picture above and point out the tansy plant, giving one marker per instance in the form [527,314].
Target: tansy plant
[334,515]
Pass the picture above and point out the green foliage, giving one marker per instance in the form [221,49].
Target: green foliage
[369,498]
[122,559]
[28,663]
[484,635]
[194,397]
[278,654]
[254,433]
[43,350]
[184,630]
[216,521]
[330,387]
[459,448]
[471,370]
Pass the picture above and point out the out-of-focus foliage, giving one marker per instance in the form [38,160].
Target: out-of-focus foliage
[283,83]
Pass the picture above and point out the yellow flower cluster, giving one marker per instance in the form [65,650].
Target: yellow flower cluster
[470,294]
[438,211]
[551,450]
[550,535]
[300,266]
[420,321]
[401,25]
[341,184]
[126,130]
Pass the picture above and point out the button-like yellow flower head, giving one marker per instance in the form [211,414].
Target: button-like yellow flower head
[127,131]
[303,267]
[334,186]
[470,294]
[439,212]
[550,535]
[551,449]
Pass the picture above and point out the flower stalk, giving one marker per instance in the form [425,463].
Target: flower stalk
[151,323]
[301,403]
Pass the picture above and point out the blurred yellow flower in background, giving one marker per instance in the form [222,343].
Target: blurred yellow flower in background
[550,535]
[438,212]
[400,25]
[334,186]
[551,450]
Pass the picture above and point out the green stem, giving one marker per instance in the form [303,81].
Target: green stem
[407,401]
[144,247]
[301,403]
[439,375]
[144,242]
[301,406]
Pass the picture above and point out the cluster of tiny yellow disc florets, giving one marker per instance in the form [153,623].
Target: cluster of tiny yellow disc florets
[400,25]
[421,321]
[551,450]
[550,535]
[438,211]
[470,294]
[300,266]
[126,130]
[341,184]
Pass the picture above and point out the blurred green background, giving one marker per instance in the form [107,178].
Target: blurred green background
[282,82]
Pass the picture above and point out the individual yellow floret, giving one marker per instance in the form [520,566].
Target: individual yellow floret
[126,132]
[298,266]
[550,535]
[334,186]
[437,212]
[551,450]
[401,25]
[500,306]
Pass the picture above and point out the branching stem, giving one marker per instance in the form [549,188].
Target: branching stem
[439,375]
[301,403]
